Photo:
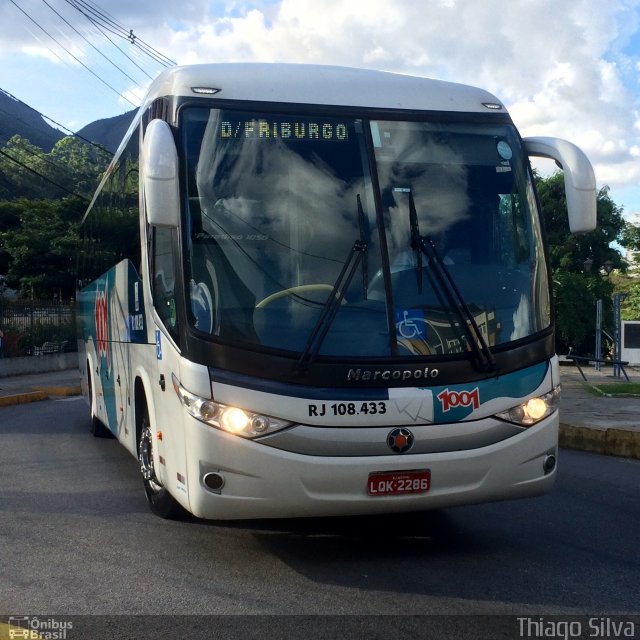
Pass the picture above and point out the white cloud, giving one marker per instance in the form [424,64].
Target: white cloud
[42,52]
[562,68]
[553,63]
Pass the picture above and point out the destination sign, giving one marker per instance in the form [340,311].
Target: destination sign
[302,130]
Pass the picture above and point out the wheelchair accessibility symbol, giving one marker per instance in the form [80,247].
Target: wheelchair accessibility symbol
[412,326]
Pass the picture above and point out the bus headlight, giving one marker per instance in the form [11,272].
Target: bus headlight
[231,419]
[533,410]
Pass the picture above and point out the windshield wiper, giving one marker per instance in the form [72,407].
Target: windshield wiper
[425,245]
[363,223]
[357,254]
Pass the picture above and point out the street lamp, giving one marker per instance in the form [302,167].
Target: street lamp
[608,267]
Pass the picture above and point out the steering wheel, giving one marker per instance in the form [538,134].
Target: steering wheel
[292,291]
[415,348]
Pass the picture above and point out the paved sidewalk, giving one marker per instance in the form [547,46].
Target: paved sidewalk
[591,421]
[39,386]
[588,421]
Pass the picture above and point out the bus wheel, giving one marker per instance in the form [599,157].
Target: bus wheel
[161,502]
[96,427]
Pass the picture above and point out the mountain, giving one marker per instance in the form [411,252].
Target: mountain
[19,118]
[109,131]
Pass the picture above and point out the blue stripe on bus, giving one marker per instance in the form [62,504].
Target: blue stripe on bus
[295,390]
[516,385]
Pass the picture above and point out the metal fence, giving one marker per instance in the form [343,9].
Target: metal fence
[35,327]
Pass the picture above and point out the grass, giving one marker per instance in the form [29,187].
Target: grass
[617,389]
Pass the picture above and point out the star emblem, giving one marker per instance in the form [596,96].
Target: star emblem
[400,440]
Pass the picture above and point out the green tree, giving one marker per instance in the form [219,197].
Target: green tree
[631,241]
[84,163]
[43,197]
[570,252]
[629,284]
[577,262]
[72,167]
[575,296]
[10,218]
[630,308]
[20,165]
[43,248]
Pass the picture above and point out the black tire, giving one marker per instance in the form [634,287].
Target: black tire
[161,502]
[96,427]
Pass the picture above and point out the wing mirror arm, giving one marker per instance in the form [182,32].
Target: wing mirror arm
[579,179]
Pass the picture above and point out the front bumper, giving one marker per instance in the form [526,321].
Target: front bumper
[264,482]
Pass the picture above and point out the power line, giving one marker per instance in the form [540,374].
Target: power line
[147,48]
[24,166]
[91,11]
[108,27]
[89,43]
[53,52]
[44,157]
[42,115]
[71,54]
[105,35]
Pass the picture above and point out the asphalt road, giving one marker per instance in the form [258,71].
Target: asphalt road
[77,538]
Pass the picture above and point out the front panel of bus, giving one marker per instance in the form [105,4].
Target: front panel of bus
[370,296]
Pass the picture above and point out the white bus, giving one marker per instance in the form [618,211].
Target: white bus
[312,290]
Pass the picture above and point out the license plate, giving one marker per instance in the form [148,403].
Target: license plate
[397,483]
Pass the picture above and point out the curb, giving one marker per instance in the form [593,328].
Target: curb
[38,394]
[23,398]
[60,391]
[613,442]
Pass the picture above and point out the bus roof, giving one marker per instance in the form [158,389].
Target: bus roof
[322,85]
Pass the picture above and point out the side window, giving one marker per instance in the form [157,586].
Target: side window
[111,230]
[511,232]
[164,277]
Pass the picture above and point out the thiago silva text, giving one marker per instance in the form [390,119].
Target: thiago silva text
[603,627]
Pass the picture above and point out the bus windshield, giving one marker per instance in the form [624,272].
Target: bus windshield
[359,238]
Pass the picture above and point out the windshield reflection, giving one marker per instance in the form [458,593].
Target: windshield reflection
[276,203]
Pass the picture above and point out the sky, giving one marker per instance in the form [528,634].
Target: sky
[569,69]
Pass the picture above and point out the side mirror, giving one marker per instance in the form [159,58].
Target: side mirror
[579,179]
[160,175]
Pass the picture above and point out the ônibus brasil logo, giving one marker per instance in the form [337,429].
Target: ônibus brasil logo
[453,399]
[102,325]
